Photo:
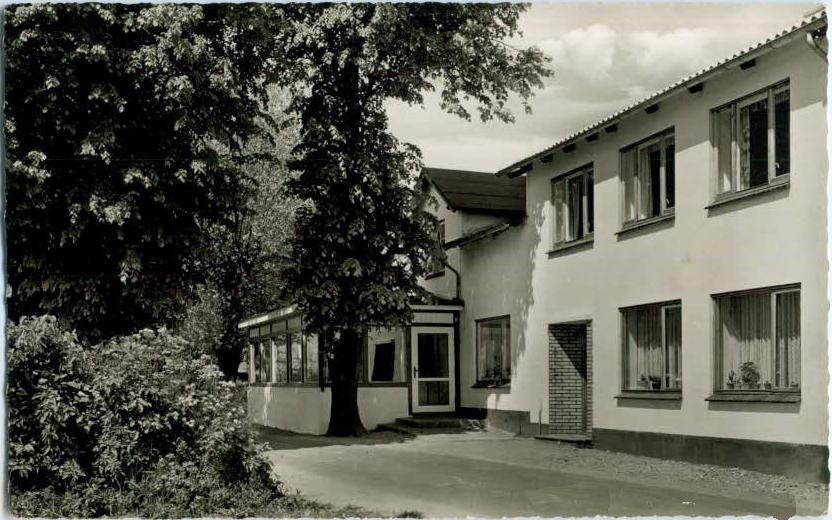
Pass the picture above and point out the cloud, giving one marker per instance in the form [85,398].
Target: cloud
[587,52]
[668,55]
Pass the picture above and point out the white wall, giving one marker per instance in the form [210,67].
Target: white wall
[305,409]
[770,239]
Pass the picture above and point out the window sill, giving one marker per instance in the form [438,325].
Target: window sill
[651,394]
[755,397]
[435,274]
[779,183]
[639,224]
[565,246]
[491,384]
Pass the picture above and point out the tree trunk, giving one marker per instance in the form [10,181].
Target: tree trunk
[344,419]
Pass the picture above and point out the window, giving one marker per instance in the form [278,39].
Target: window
[653,347]
[648,178]
[296,357]
[383,360]
[281,358]
[437,261]
[751,140]
[494,351]
[573,201]
[385,355]
[311,372]
[283,353]
[758,340]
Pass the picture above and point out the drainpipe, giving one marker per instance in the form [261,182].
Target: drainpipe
[456,273]
[812,43]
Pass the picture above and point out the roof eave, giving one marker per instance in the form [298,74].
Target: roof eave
[523,166]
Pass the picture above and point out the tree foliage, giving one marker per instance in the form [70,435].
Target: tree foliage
[246,254]
[364,241]
[124,127]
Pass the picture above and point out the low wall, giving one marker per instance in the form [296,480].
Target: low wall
[305,409]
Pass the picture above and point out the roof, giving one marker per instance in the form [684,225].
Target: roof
[815,21]
[480,192]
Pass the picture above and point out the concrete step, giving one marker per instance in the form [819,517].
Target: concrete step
[579,439]
[433,424]
[441,421]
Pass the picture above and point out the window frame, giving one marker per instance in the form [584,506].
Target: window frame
[588,172]
[491,383]
[768,93]
[772,292]
[663,306]
[659,138]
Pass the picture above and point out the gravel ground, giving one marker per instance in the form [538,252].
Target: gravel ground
[502,447]
[811,498]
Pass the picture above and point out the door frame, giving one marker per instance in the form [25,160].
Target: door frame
[438,328]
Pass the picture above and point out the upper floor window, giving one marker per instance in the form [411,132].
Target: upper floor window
[573,201]
[750,138]
[653,347]
[437,261]
[758,340]
[648,176]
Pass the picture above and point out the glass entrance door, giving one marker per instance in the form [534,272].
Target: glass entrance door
[433,364]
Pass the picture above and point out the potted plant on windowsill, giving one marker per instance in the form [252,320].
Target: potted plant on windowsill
[750,375]
[643,383]
[655,383]
[733,381]
[767,386]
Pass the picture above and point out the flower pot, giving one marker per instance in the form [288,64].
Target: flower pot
[729,386]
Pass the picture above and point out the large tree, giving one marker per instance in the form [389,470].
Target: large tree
[364,240]
[125,126]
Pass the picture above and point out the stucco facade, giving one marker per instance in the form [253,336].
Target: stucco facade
[773,238]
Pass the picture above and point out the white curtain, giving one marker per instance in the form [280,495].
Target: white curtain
[645,183]
[575,207]
[673,347]
[628,176]
[788,340]
[311,352]
[724,123]
[279,346]
[494,353]
[745,335]
[559,206]
[644,352]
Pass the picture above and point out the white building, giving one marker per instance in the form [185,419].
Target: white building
[655,283]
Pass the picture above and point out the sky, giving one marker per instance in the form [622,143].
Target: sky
[604,56]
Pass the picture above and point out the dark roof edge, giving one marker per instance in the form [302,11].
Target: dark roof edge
[815,21]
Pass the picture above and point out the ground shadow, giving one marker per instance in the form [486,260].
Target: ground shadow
[278,439]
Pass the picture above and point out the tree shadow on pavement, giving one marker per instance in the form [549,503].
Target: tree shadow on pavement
[285,440]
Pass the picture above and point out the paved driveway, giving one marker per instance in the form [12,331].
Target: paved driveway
[492,474]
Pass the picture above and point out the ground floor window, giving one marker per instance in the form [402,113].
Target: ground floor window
[283,353]
[385,356]
[653,347]
[758,340]
[494,350]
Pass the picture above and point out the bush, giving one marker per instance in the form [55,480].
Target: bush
[140,425]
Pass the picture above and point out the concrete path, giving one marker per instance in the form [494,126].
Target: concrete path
[490,474]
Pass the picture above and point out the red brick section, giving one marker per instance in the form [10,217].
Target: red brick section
[570,382]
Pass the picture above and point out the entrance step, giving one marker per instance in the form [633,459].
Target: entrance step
[434,424]
[580,439]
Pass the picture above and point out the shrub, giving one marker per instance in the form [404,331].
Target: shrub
[142,424]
